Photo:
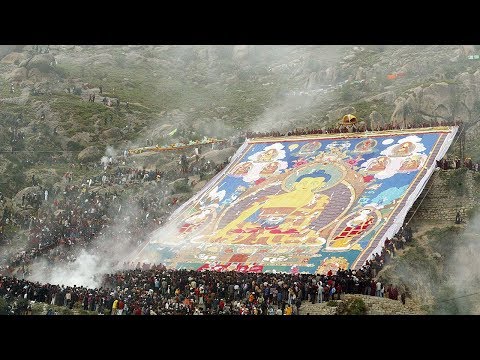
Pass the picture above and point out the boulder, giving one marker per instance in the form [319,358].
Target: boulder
[331,74]
[473,133]
[312,80]
[89,154]
[469,100]
[36,74]
[360,74]
[83,138]
[41,62]
[6,49]
[17,199]
[45,177]
[398,113]
[434,96]
[18,74]
[219,156]
[13,58]
[113,133]
[387,97]
[376,119]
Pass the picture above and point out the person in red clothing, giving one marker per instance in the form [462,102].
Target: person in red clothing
[120,307]
[137,311]
[338,290]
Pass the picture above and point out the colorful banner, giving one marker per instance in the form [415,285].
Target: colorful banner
[176,146]
[302,204]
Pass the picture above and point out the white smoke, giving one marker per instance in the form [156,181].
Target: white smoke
[106,255]
[110,151]
[82,272]
[464,270]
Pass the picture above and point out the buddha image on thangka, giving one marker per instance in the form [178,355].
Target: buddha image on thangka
[269,155]
[357,225]
[283,210]
[412,163]
[309,148]
[365,146]
[242,169]
[403,149]
[270,168]
[196,220]
[271,216]
[302,205]
[379,164]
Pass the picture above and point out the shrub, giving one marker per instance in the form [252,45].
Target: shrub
[3,307]
[62,310]
[332,303]
[21,306]
[182,187]
[74,146]
[352,306]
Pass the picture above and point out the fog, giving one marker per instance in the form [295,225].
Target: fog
[106,253]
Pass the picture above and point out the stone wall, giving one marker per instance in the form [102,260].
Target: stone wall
[451,190]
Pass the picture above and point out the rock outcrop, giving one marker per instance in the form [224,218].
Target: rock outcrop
[90,154]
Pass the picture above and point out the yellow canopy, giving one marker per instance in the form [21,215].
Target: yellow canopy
[349,119]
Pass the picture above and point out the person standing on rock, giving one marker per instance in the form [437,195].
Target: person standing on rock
[320,292]
[402,298]
[46,195]
[458,218]
[379,289]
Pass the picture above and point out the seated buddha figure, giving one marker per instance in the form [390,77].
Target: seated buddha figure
[403,149]
[292,207]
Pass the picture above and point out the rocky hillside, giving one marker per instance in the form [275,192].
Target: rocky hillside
[441,269]
[214,91]
[143,93]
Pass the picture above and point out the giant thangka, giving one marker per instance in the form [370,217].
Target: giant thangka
[301,204]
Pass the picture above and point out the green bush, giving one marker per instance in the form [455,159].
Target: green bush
[332,303]
[352,306]
[3,307]
[22,305]
[182,187]
[457,181]
[62,310]
[74,146]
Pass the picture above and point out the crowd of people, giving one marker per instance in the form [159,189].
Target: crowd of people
[79,216]
[456,163]
[343,128]
[144,289]
[72,217]
[81,213]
